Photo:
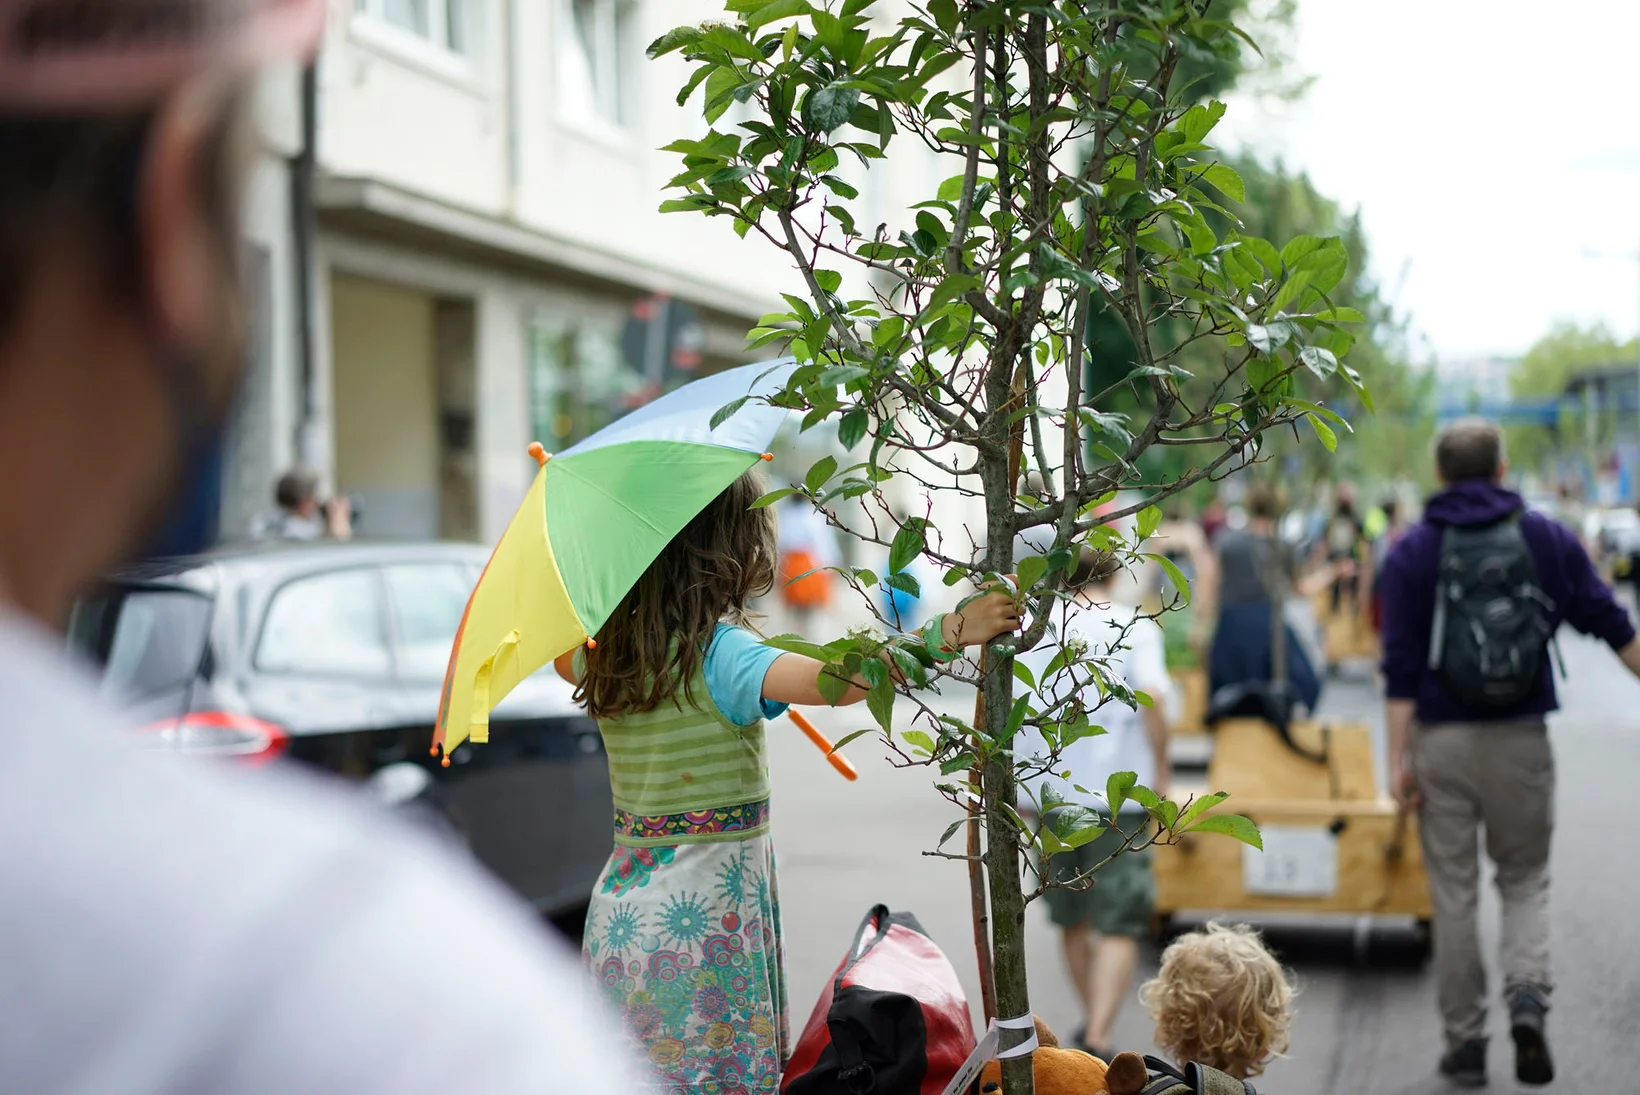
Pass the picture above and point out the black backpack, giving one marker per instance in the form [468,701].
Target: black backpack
[1491,629]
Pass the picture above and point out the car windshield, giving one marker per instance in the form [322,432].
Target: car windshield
[146,640]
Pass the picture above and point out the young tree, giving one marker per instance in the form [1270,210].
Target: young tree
[1080,188]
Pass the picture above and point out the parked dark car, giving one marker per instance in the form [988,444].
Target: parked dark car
[333,655]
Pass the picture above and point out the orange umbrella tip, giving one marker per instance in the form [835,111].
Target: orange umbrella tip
[445,763]
[432,750]
[768,456]
[540,453]
[592,644]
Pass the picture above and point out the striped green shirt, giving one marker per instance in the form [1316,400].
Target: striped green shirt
[684,759]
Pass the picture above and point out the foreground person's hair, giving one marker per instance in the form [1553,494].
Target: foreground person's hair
[655,642]
[1220,999]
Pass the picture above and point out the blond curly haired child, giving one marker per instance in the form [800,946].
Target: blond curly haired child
[1221,999]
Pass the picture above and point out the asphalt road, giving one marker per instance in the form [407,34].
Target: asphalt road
[1366,1021]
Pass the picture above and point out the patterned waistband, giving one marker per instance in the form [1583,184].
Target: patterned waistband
[718,821]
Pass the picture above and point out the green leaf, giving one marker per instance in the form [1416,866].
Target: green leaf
[820,473]
[832,685]
[1298,247]
[922,741]
[880,700]
[852,427]
[1225,179]
[953,576]
[1150,519]
[843,374]
[1199,807]
[830,280]
[950,289]
[727,411]
[959,763]
[847,738]
[773,496]
[1340,314]
[1117,788]
[776,9]
[905,582]
[1231,825]
[1016,718]
[908,544]
[1030,570]
[674,39]
[1319,360]
[827,108]
[1174,575]
[1199,120]
[944,13]
[1023,674]
[796,644]
[1324,432]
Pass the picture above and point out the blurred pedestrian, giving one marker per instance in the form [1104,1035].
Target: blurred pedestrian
[1343,540]
[681,689]
[167,925]
[808,545]
[1468,685]
[1249,584]
[1103,917]
[301,515]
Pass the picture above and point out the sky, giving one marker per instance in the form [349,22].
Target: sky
[1493,150]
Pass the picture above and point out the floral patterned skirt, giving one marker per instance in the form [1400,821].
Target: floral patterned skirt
[684,946]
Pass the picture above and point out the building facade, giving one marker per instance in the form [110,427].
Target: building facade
[484,230]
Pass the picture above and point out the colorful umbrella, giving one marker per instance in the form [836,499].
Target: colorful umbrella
[596,516]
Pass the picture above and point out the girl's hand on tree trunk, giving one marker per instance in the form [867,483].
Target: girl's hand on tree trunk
[981,620]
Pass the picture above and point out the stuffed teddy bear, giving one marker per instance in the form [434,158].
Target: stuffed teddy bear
[1061,1071]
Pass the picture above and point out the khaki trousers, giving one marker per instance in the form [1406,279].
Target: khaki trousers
[1500,777]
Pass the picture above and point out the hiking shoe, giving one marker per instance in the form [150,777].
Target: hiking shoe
[1465,1063]
[1527,1007]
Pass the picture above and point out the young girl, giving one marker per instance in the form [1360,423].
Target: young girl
[683,935]
[1220,999]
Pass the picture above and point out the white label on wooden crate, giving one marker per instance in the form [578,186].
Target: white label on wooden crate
[1295,862]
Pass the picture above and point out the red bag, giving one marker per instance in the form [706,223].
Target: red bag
[893,1021]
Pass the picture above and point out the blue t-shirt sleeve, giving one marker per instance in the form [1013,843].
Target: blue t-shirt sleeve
[736,664]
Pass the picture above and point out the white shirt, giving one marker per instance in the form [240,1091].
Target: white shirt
[1139,659]
[178,926]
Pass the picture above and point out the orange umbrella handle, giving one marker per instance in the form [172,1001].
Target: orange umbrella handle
[838,761]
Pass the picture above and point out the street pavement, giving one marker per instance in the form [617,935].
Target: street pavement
[1365,1021]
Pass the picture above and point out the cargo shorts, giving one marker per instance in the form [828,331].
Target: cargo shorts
[1121,897]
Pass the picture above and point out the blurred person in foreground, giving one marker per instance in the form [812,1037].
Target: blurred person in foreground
[1103,905]
[301,515]
[171,926]
[1468,687]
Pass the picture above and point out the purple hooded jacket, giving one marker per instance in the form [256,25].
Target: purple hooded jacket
[1407,586]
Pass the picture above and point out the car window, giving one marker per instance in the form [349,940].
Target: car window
[427,600]
[330,624]
[146,640]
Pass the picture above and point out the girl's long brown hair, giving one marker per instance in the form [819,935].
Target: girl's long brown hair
[652,646]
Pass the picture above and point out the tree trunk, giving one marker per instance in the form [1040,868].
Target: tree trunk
[1013,998]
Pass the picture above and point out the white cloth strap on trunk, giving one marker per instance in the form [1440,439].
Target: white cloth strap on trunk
[1028,1046]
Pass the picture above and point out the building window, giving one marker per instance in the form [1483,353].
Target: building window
[596,60]
[446,26]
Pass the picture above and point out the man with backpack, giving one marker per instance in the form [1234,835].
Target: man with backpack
[1472,598]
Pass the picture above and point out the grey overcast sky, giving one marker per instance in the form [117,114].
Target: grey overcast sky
[1493,149]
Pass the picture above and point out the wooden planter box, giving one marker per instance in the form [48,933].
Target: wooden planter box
[1333,842]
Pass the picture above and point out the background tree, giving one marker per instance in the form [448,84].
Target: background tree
[1543,373]
[1081,187]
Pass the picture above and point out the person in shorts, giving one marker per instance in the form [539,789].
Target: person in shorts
[1102,922]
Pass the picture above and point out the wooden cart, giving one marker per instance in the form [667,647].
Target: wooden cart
[1333,843]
